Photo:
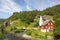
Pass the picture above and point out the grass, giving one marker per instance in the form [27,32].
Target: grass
[1,35]
[38,34]
[20,24]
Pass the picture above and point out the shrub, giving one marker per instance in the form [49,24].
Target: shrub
[1,35]
[18,30]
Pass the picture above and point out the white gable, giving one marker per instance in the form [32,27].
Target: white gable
[40,21]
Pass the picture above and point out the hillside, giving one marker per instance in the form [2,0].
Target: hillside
[31,19]
[1,21]
[53,11]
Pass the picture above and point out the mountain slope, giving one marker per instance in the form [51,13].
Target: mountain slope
[29,16]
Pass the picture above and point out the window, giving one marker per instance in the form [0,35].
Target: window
[48,23]
[51,23]
[51,27]
[42,26]
[46,27]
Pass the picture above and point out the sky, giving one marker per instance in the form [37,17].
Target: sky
[7,7]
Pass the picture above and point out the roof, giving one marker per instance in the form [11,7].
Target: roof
[45,22]
[47,18]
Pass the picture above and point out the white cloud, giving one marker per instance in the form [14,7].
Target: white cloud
[36,4]
[41,4]
[28,8]
[9,6]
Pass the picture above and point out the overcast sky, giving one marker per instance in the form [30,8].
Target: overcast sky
[7,7]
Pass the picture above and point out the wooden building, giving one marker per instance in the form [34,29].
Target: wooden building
[45,25]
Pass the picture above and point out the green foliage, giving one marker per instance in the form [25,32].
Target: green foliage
[26,16]
[38,34]
[19,24]
[1,21]
[18,30]
[8,29]
[1,36]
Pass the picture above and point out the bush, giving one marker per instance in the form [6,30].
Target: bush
[1,35]
[18,30]
[35,33]
[28,31]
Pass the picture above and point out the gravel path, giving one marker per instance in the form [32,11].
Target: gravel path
[17,36]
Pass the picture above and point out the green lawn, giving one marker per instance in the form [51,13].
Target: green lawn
[38,34]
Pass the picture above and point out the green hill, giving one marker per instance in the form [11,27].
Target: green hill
[26,18]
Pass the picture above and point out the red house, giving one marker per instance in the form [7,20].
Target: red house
[46,26]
